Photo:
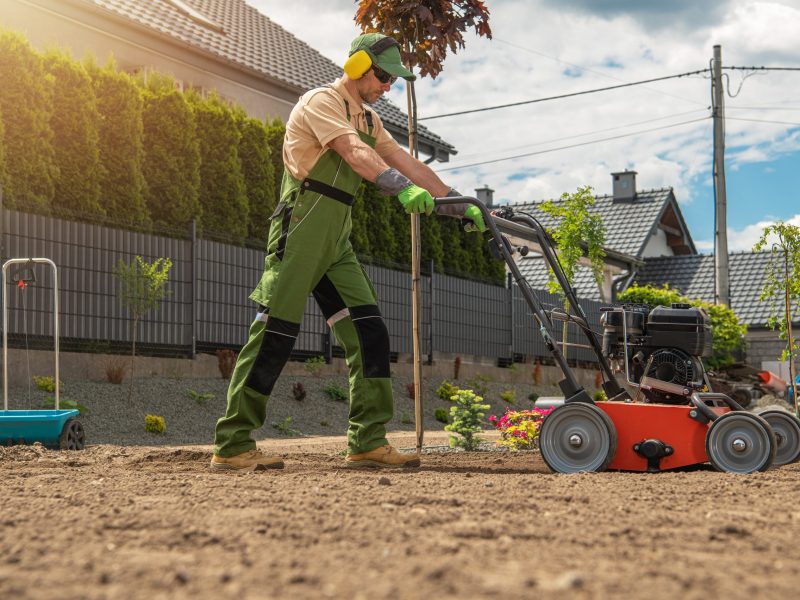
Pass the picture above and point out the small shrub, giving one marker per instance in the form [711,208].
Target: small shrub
[226,361]
[600,396]
[336,392]
[537,373]
[314,364]
[47,383]
[115,370]
[324,423]
[440,414]
[64,404]
[479,384]
[456,367]
[298,391]
[508,396]
[447,390]
[519,428]
[466,416]
[154,424]
[407,418]
[410,390]
[285,427]
[201,399]
[533,396]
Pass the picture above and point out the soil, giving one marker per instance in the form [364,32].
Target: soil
[154,522]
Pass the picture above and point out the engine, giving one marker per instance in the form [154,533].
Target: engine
[662,346]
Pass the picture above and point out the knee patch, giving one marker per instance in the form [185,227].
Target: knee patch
[279,339]
[373,337]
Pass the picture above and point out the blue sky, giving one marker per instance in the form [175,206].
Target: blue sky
[549,47]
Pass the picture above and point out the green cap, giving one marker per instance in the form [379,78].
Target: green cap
[387,57]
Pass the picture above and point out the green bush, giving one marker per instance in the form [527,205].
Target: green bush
[26,104]
[479,384]
[75,125]
[508,396]
[314,364]
[64,404]
[336,392]
[284,427]
[200,398]
[47,383]
[467,417]
[154,424]
[447,390]
[275,134]
[258,172]
[441,415]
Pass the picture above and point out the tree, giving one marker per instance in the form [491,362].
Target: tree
[120,143]
[222,189]
[142,287]
[276,131]
[782,288]
[577,226]
[26,104]
[171,164]
[75,136]
[258,171]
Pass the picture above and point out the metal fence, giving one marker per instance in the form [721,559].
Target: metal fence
[208,306]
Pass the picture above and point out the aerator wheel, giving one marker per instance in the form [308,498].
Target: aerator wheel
[740,442]
[787,434]
[578,437]
[72,436]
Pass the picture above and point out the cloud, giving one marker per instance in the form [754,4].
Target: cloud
[743,240]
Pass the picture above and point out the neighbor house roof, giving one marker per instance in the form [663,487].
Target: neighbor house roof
[693,276]
[629,225]
[234,32]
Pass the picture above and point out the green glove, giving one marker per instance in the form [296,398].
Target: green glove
[416,200]
[473,213]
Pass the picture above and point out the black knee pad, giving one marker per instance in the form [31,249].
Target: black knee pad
[279,339]
[373,338]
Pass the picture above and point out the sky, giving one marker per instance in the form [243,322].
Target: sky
[662,130]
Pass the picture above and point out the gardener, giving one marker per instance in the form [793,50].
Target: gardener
[333,142]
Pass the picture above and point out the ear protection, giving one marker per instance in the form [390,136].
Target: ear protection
[361,61]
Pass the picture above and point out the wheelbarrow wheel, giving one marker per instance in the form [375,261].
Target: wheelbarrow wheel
[72,436]
[740,442]
[576,438]
[787,435]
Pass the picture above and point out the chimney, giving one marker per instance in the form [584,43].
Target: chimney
[624,186]
[485,195]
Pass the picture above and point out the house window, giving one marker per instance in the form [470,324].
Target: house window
[195,15]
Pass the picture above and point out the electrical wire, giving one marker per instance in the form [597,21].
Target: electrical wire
[561,96]
[762,68]
[616,137]
[762,121]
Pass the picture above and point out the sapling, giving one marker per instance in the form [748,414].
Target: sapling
[467,417]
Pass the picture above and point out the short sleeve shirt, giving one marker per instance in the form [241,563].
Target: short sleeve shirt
[319,117]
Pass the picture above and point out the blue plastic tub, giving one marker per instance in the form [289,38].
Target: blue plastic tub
[53,428]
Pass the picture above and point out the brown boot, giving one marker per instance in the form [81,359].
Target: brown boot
[385,456]
[252,460]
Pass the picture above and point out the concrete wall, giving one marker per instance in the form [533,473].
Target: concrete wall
[764,345]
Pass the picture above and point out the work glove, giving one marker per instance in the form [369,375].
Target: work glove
[416,200]
[473,213]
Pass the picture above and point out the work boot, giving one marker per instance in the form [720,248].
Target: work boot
[385,456]
[252,460]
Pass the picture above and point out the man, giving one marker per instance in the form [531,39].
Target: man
[332,142]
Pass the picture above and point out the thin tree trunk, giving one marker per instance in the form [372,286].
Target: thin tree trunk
[133,355]
[788,305]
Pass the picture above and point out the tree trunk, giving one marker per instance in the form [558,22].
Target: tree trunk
[790,339]
[133,355]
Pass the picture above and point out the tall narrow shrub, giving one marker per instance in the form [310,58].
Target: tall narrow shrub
[119,103]
[258,171]
[171,154]
[359,237]
[381,234]
[26,103]
[276,131]
[75,125]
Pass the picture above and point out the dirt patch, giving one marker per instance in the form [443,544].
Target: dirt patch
[144,522]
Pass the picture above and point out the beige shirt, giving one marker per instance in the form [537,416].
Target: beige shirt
[318,118]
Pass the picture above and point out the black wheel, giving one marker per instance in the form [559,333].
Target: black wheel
[72,436]
[787,435]
[578,437]
[740,442]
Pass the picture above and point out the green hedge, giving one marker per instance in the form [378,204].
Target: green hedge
[143,153]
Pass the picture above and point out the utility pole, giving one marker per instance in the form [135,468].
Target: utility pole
[721,286]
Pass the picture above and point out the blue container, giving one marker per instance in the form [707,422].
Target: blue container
[29,426]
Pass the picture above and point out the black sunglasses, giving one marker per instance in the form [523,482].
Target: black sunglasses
[383,76]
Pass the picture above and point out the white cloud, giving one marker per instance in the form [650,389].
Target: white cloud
[744,239]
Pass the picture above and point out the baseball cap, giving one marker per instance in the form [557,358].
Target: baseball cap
[388,59]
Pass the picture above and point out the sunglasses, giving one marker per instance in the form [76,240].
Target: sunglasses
[383,76]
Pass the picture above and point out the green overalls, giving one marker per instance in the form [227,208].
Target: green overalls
[309,251]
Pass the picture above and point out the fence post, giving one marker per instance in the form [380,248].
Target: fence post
[193,287]
[430,316]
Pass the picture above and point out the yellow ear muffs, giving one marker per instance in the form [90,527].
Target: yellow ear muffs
[358,64]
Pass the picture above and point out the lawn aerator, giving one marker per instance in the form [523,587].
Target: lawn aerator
[661,413]
[53,428]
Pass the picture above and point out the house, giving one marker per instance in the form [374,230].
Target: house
[221,45]
[639,225]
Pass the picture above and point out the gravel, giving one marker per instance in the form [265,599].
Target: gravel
[191,408]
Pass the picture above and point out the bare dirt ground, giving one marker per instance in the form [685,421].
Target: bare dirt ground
[145,522]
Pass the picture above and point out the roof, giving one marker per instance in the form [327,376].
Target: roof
[694,277]
[243,36]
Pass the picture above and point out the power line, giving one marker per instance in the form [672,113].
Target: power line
[762,68]
[616,137]
[605,89]
[762,121]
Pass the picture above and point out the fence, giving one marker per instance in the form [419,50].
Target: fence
[208,304]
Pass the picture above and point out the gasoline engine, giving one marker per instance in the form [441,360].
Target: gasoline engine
[659,350]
